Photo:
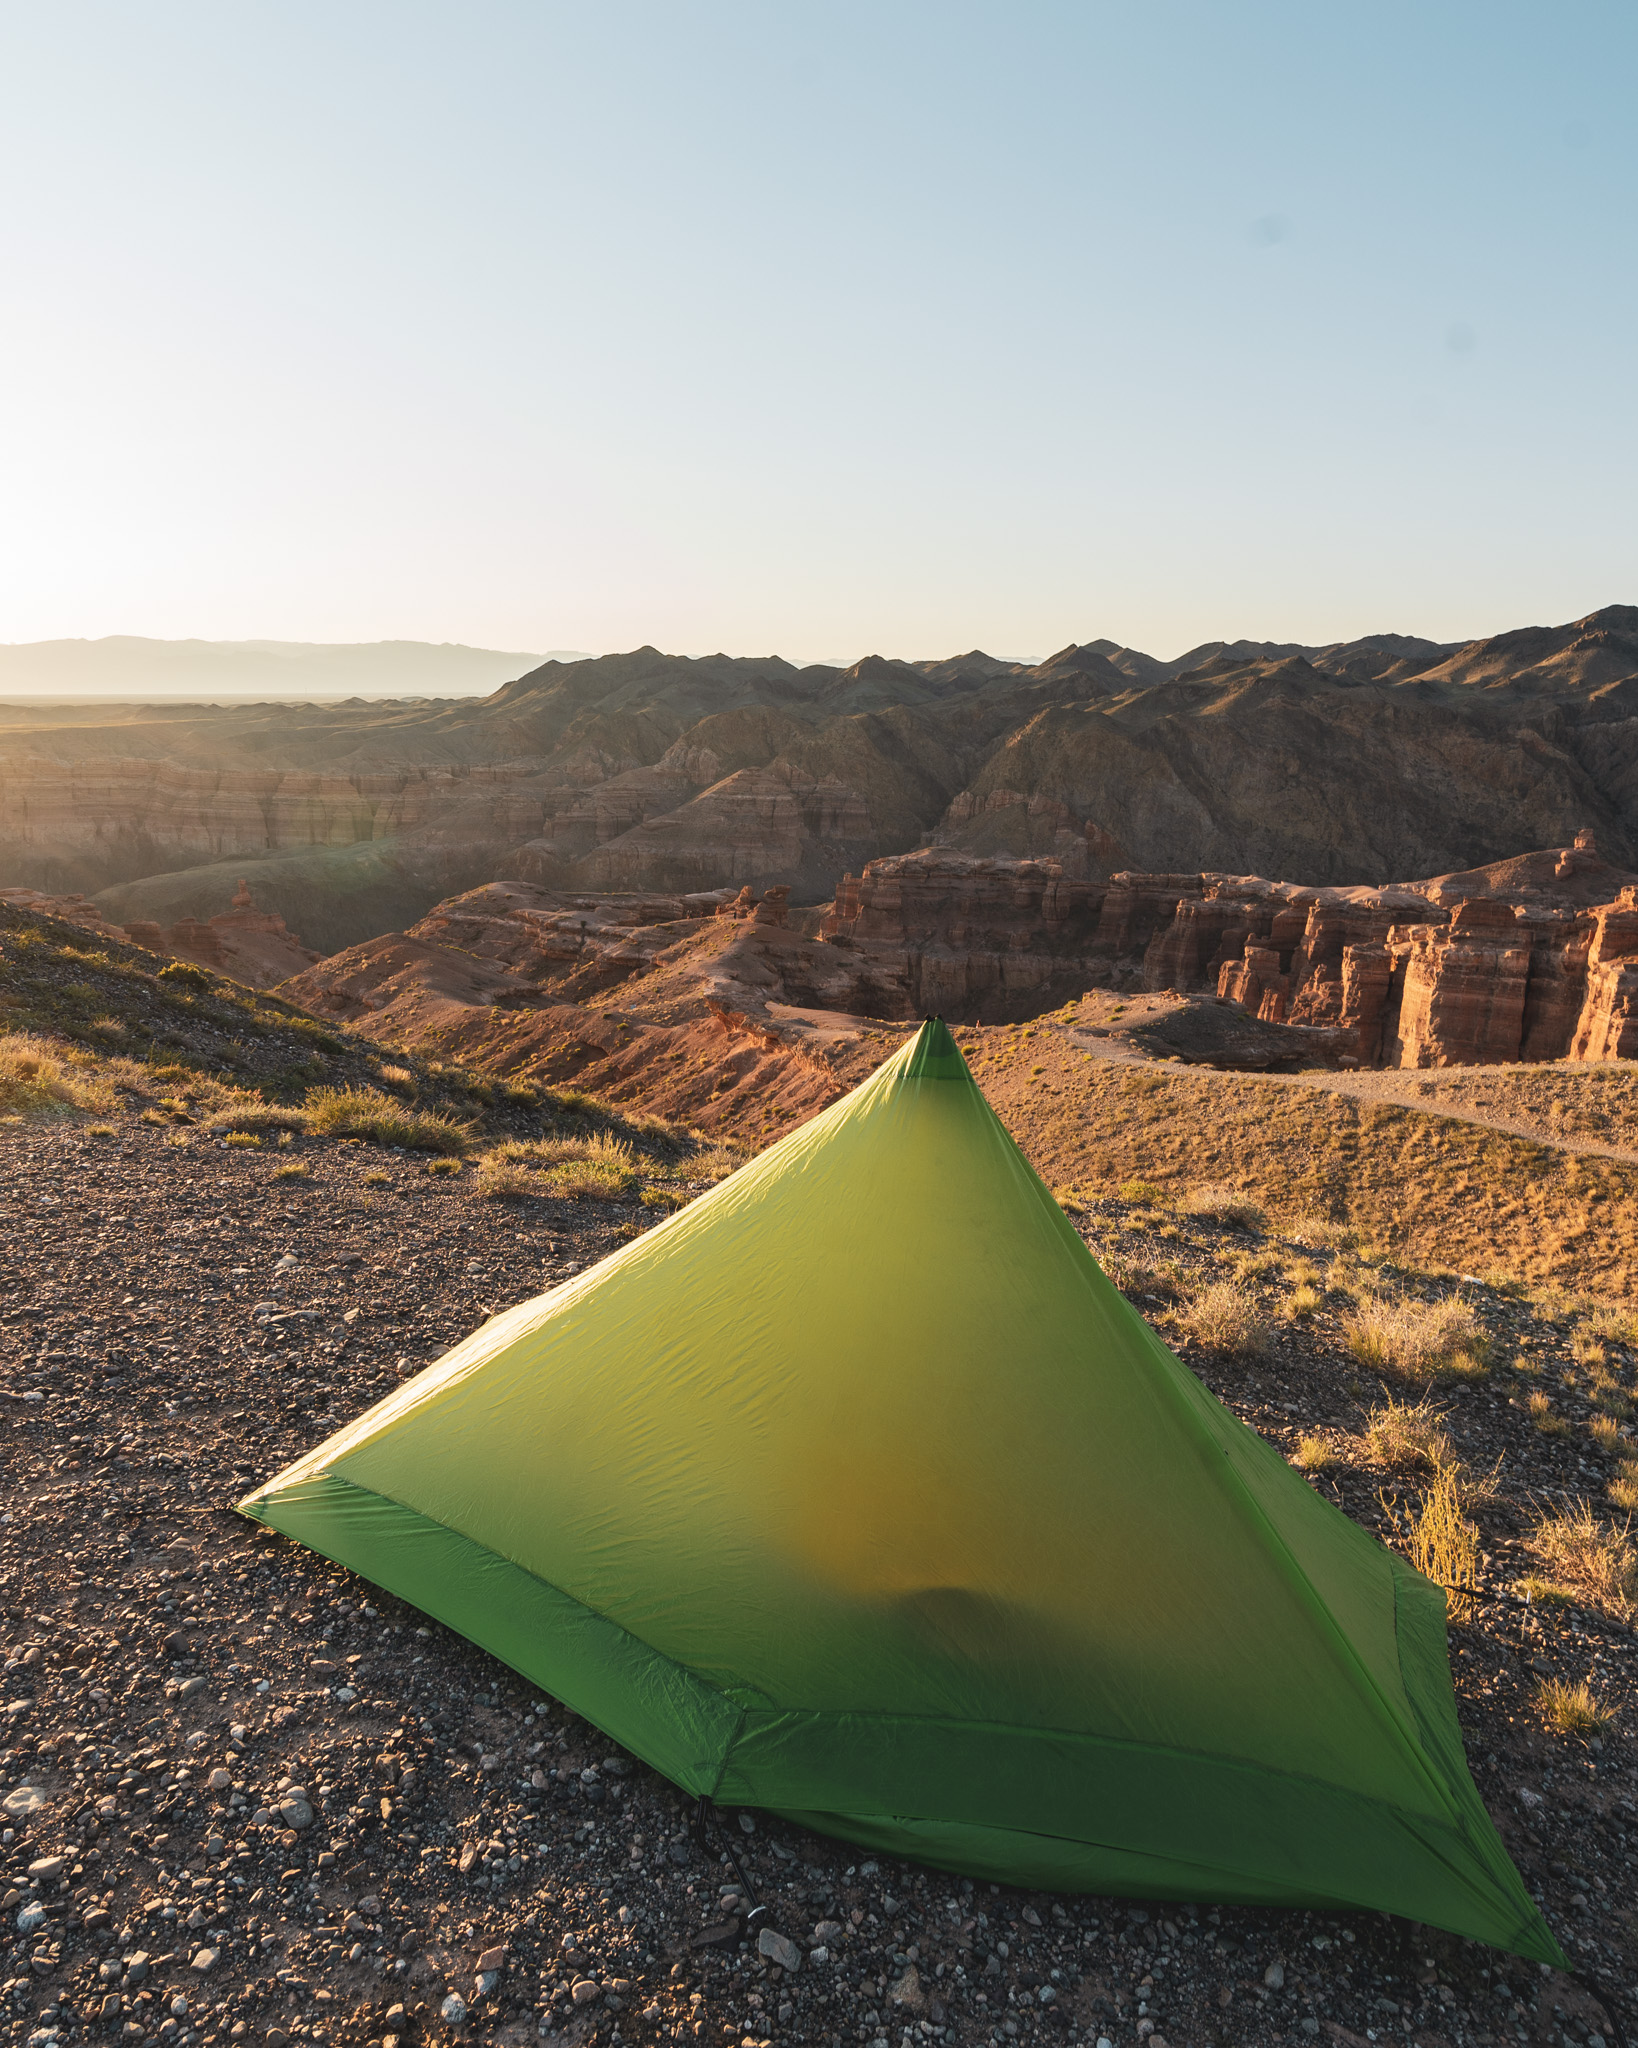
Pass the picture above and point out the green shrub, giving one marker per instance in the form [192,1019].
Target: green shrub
[183,974]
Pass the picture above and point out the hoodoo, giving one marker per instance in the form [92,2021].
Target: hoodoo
[856,1492]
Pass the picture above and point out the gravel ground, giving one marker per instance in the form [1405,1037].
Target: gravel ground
[249,1798]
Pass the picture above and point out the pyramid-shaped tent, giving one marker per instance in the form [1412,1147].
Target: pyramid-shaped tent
[856,1492]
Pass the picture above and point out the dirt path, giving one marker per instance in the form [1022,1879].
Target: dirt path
[1385,1085]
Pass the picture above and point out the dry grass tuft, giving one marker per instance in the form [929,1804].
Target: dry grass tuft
[1222,1317]
[396,1077]
[292,1169]
[1314,1453]
[712,1165]
[1219,1204]
[1624,1487]
[1440,1541]
[588,1180]
[1415,1339]
[1302,1301]
[1614,1326]
[367,1113]
[503,1180]
[1322,1233]
[442,1166]
[600,1169]
[1571,1709]
[1541,1414]
[242,1141]
[1142,1194]
[250,1113]
[40,1078]
[1404,1435]
[603,1150]
[1605,1432]
[1588,1560]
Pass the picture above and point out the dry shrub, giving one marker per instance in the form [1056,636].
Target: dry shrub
[1142,1194]
[1415,1339]
[39,1077]
[1571,1709]
[292,1169]
[367,1113]
[1220,1204]
[238,1141]
[396,1077]
[1314,1453]
[1589,1561]
[1614,1326]
[1222,1317]
[1440,1541]
[1404,1435]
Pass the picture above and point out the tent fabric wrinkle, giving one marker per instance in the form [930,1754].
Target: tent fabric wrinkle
[856,1492]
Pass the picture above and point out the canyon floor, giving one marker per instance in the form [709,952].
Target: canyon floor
[250,1799]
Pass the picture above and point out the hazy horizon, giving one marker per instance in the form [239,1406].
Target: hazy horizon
[144,668]
[742,329]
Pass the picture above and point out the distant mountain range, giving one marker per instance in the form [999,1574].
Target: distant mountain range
[125,666]
[1351,762]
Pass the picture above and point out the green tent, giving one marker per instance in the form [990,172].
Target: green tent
[856,1492]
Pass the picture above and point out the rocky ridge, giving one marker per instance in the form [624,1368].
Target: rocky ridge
[645,771]
[248,945]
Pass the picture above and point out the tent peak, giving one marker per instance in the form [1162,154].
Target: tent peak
[933,1055]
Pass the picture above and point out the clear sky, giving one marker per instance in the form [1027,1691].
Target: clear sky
[819,329]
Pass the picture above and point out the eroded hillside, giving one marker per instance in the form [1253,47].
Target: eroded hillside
[637,771]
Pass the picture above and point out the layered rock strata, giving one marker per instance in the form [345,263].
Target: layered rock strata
[1494,965]
[643,771]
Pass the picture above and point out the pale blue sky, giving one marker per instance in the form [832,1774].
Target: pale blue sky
[818,329]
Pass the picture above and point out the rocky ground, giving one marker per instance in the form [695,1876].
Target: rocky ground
[249,1798]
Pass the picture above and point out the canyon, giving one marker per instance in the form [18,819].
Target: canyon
[712,1005]
[1343,764]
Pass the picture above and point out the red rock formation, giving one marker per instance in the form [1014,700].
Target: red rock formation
[1607,1028]
[954,930]
[1515,962]
[1463,996]
[246,944]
